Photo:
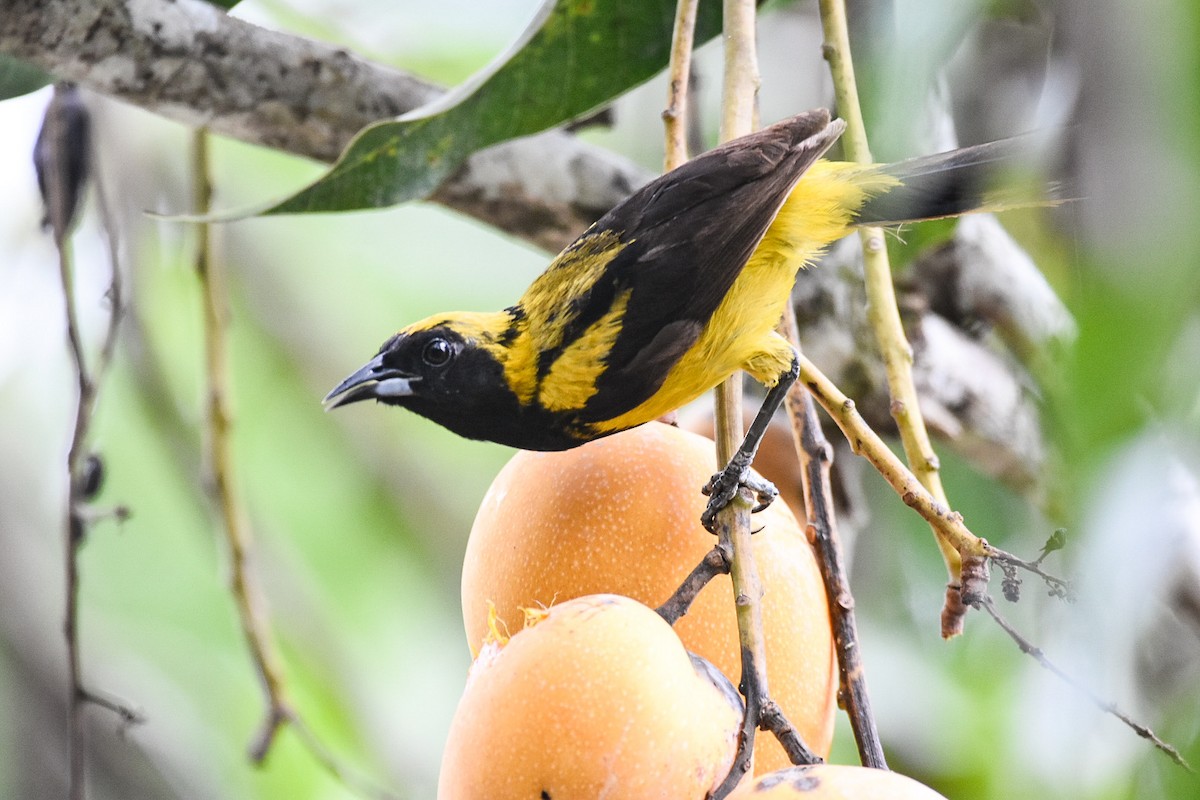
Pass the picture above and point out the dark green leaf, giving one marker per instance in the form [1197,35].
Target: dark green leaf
[18,78]
[576,56]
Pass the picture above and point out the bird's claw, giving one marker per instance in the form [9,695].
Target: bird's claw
[724,486]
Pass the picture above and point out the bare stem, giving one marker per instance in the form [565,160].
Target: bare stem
[1106,706]
[733,531]
[675,115]
[57,140]
[127,714]
[247,596]
[773,720]
[739,99]
[714,563]
[250,605]
[74,534]
[739,91]
[865,442]
[1057,586]
[882,309]
[816,459]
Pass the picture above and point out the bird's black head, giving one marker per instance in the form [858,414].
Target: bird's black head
[446,369]
[408,365]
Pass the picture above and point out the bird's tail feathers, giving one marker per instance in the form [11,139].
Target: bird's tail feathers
[985,177]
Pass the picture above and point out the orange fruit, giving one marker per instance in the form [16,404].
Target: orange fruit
[597,699]
[834,782]
[621,515]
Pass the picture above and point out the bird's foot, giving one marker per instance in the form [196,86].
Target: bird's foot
[724,486]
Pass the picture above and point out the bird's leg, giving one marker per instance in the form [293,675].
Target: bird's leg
[723,486]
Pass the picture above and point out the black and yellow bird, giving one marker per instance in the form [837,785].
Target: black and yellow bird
[664,297]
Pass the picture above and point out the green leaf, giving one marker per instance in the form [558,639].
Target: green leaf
[18,78]
[1057,541]
[577,55]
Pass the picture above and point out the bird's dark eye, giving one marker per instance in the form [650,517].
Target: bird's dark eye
[437,353]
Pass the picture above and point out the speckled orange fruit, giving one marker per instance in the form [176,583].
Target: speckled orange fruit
[834,782]
[597,699]
[621,515]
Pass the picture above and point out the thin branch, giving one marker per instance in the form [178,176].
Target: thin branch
[816,459]
[738,102]
[773,720]
[74,527]
[74,537]
[116,292]
[739,90]
[1057,587]
[1108,707]
[733,531]
[882,308]
[865,442]
[127,714]
[63,157]
[247,595]
[675,115]
[714,563]
[250,605]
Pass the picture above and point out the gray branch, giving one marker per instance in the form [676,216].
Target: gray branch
[189,61]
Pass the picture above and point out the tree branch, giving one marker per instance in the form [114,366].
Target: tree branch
[883,310]
[190,61]
[816,459]
[1108,707]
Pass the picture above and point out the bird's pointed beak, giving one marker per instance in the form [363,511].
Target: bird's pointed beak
[374,381]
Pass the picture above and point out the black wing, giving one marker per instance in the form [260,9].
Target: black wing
[689,234]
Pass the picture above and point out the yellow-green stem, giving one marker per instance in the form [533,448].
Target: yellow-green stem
[865,442]
[882,309]
[219,419]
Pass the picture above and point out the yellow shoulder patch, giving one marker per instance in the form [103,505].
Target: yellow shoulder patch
[571,381]
[548,312]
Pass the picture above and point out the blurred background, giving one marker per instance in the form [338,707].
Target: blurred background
[361,517]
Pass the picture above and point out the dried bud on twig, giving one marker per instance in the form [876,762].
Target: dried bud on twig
[61,158]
